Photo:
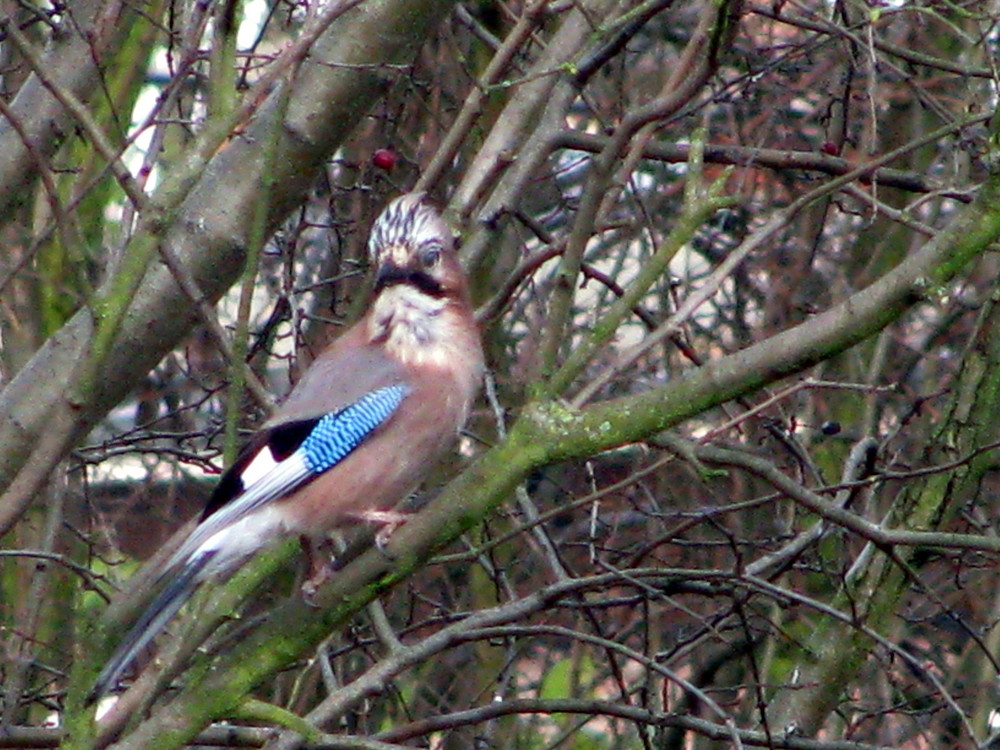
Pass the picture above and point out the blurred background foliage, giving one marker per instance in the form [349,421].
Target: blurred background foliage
[575,146]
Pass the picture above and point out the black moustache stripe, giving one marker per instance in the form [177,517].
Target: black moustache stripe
[392,275]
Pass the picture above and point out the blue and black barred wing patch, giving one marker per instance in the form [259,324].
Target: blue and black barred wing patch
[336,435]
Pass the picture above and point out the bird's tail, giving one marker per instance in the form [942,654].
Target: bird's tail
[166,604]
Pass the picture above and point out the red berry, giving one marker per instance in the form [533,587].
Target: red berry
[830,148]
[385,159]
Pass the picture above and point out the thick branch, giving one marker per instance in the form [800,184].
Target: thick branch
[92,27]
[329,94]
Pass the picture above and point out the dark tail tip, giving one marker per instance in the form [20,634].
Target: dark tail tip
[156,616]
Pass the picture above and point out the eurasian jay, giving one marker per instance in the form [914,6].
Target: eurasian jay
[358,432]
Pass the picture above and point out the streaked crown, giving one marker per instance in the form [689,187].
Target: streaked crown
[411,244]
[406,224]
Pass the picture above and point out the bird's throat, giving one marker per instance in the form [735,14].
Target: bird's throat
[412,325]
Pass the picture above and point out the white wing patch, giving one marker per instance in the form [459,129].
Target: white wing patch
[262,463]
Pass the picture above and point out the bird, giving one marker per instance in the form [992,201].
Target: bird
[356,435]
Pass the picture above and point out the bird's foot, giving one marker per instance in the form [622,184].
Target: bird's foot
[309,588]
[319,562]
[389,520]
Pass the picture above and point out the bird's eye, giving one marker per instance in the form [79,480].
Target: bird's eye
[430,256]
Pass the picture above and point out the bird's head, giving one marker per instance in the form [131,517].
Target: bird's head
[410,244]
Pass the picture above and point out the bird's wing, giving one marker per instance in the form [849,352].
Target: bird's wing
[279,461]
[344,372]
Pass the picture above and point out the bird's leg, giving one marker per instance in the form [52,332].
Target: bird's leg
[320,553]
[319,562]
